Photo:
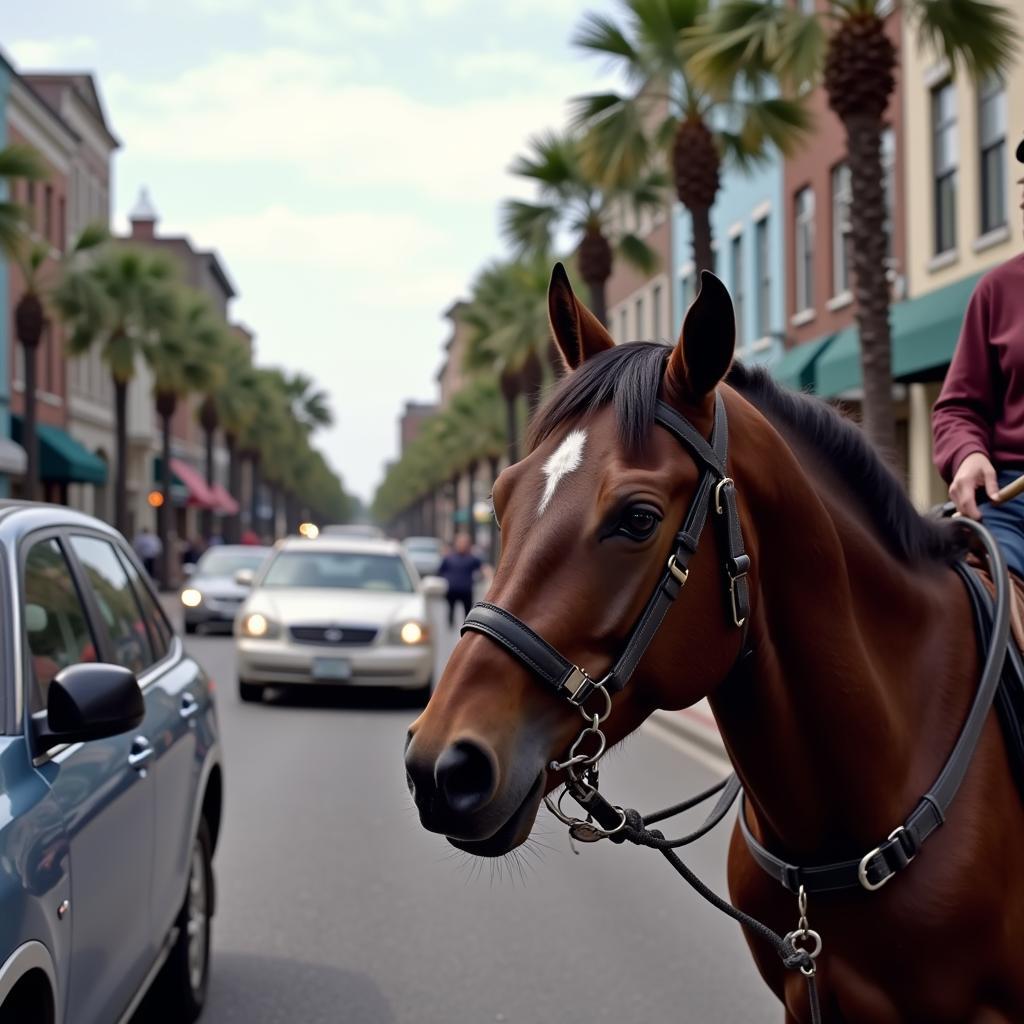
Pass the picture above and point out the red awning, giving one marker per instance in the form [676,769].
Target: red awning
[225,504]
[199,493]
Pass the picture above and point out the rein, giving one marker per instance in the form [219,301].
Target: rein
[715,498]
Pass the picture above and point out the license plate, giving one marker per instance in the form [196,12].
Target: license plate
[331,668]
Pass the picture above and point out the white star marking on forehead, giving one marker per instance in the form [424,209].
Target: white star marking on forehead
[565,458]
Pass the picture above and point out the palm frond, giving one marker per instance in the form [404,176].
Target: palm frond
[635,251]
[21,161]
[601,35]
[528,227]
[615,150]
[979,35]
[552,160]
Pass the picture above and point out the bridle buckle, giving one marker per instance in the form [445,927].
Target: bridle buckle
[678,571]
[742,566]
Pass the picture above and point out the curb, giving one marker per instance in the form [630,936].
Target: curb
[695,725]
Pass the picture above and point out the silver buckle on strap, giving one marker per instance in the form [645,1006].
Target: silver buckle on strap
[677,570]
[862,868]
[576,683]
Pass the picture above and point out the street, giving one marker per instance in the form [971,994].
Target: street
[334,905]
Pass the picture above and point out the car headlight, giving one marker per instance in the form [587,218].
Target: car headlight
[258,626]
[410,633]
[191,598]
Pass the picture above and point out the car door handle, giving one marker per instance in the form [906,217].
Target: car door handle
[140,753]
[189,705]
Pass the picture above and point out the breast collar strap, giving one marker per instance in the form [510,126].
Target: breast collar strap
[715,496]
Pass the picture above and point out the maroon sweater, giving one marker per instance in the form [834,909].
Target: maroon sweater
[981,406]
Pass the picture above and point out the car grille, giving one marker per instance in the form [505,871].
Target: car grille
[333,636]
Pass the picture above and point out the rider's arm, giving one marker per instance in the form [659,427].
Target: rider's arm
[965,412]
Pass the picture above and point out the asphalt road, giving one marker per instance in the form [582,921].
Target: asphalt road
[334,906]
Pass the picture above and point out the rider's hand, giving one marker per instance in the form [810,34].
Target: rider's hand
[975,472]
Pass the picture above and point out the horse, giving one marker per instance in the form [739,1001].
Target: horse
[838,702]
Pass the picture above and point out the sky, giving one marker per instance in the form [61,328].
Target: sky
[346,159]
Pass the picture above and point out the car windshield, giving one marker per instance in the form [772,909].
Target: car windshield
[227,563]
[338,570]
[426,544]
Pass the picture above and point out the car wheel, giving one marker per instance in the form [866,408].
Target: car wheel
[190,627]
[184,978]
[250,692]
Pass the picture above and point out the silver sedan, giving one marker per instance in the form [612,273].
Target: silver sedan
[343,611]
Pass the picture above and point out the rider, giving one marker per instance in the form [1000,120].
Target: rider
[978,420]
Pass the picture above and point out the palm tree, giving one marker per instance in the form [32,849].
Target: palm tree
[232,404]
[30,320]
[575,198]
[17,163]
[670,112]
[120,301]
[510,336]
[850,52]
[182,357]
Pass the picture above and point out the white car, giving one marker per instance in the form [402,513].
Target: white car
[337,610]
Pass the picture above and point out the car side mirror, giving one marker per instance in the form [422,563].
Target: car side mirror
[89,701]
[244,577]
[433,586]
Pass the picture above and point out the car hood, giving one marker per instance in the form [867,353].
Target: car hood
[335,607]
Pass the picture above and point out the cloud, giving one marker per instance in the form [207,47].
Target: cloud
[52,52]
[286,107]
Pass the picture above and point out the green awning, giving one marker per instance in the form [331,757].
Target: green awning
[924,335]
[796,368]
[61,457]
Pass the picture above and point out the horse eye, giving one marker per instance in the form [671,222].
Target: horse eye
[639,522]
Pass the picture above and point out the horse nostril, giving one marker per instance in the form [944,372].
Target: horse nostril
[466,776]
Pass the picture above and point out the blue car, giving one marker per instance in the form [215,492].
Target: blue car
[110,782]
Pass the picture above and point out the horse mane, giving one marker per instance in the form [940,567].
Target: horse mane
[629,377]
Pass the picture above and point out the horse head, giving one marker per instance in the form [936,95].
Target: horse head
[588,520]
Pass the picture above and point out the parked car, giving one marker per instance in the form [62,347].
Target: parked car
[110,782]
[334,610]
[425,553]
[218,585]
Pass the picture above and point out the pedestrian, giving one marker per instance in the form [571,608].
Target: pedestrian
[978,420]
[459,568]
[148,547]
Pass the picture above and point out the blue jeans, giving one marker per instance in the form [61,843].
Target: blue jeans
[1007,524]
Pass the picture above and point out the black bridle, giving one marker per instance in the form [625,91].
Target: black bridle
[716,497]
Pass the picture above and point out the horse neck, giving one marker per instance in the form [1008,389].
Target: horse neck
[843,713]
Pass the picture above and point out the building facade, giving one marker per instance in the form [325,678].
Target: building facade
[962,211]
[639,304]
[90,389]
[12,455]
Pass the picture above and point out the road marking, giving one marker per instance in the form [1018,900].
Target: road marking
[715,762]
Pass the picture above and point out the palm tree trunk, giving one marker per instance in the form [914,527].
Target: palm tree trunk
[30,433]
[163,512]
[233,524]
[254,497]
[598,299]
[533,382]
[703,254]
[121,471]
[206,516]
[870,283]
[512,428]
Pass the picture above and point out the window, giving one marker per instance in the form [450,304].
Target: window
[129,638]
[944,165]
[56,628]
[803,234]
[686,291]
[159,630]
[992,153]
[762,268]
[738,289]
[656,312]
[48,213]
[889,179]
[639,308]
[841,200]
[30,202]
[338,570]
[62,223]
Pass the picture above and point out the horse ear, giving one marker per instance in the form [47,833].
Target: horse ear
[577,332]
[706,343]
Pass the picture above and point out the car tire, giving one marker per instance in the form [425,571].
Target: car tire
[251,693]
[184,978]
[190,627]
